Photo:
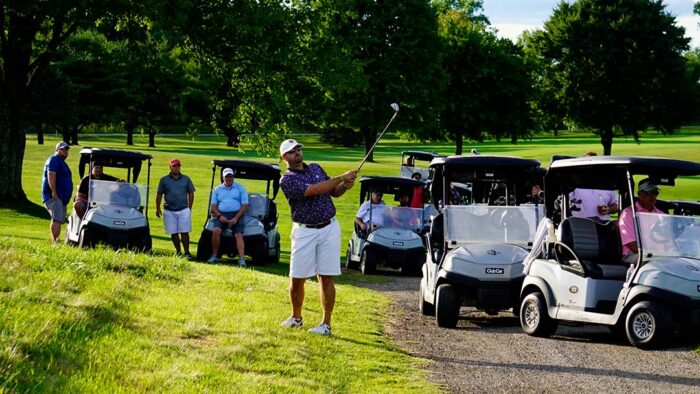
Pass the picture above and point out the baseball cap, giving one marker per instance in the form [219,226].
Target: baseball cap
[62,145]
[175,162]
[228,172]
[645,185]
[288,145]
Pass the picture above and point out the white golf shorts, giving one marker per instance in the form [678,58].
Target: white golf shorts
[177,221]
[315,251]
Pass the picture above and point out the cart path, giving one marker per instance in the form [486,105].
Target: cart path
[492,354]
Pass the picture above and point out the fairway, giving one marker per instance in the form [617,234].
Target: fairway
[98,320]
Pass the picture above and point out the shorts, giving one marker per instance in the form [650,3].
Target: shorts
[315,251]
[237,228]
[177,221]
[57,209]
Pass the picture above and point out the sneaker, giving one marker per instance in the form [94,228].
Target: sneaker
[187,255]
[212,260]
[321,329]
[292,322]
[241,262]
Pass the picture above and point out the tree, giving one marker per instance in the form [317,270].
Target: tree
[617,65]
[488,85]
[374,53]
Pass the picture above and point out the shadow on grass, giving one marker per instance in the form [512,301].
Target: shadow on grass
[30,209]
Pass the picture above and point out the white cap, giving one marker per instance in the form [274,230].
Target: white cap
[288,145]
[227,171]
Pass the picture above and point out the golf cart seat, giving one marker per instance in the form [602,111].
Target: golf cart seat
[436,237]
[595,245]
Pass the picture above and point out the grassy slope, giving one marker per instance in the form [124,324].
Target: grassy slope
[99,320]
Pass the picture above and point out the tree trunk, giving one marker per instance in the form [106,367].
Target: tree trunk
[65,134]
[74,136]
[606,139]
[152,138]
[231,134]
[459,142]
[129,134]
[12,146]
[40,136]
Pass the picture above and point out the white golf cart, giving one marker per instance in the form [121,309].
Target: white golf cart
[576,274]
[417,161]
[117,212]
[476,251]
[260,234]
[397,241]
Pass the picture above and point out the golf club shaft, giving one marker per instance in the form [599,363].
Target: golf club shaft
[376,142]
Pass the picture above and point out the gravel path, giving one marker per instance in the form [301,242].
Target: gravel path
[492,354]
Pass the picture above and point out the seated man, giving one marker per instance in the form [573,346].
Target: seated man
[81,197]
[379,211]
[229,201]
[647,192]
[403,215]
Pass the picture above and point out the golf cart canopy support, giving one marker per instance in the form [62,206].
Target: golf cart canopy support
[392,185]
[116,158]
[252,170]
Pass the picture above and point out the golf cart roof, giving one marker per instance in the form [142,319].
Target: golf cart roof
[116,158]
[420,155]
[393,185]
[610,173]
[246,169]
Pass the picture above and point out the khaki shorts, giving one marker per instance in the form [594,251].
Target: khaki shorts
[56,209]
[315,251]
[176,222]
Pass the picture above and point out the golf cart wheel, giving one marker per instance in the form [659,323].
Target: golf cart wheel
[276,256]
[648,325]
[426,308]
[447,308]
[349,264]
[86,239]
[260,253]
[534,318]
[368,264]
[204,246]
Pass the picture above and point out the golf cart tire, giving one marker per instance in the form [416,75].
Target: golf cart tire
[648,325]
[259,255]
[278,250]
[447,308]
[204,247]
[86,239]
[349,264]
[426,308]
[534,318]
[368,262]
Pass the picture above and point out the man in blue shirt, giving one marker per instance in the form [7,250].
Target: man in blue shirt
[57,187]
[229,201]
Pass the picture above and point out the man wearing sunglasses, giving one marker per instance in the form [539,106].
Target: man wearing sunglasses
[647,193]
[57,187]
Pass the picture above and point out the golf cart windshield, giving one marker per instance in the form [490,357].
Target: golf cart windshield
[117,193]
[669,235]
[398,217]
[491,224]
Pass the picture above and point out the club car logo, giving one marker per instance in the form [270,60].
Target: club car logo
[397,243]
[573,289]
[119,223]
[495,271]
[492,252]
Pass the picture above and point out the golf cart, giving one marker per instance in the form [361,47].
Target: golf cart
[397,242]
[409,166]
[260,234]
[576,275]
[117,212]
[476,251]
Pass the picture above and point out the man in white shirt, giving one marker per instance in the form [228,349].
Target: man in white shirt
[378,212]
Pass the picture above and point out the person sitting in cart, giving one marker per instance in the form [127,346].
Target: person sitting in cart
[647,193]
[229,202]
[404,215]
[81,197]
[378,214]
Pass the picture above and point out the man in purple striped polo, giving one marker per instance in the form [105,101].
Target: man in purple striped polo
[315,233]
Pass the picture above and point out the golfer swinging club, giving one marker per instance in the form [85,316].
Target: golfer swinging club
[315,233]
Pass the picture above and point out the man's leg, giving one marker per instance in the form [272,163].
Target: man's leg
[240,245]
[185,241]
[55,230]
[296,295]
[176,241]
[327,296]
[215,241]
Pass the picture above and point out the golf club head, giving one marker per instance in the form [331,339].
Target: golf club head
[395,107]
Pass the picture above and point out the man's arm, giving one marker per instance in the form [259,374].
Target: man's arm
[328,186]
[159,197]
[51,176]
[190,199]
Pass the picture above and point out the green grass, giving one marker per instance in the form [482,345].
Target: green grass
[99,320]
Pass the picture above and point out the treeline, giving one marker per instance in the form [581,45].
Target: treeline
[268,68]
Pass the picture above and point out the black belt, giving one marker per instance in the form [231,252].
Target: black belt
[318,225]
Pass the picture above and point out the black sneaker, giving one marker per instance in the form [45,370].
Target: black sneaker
[187,255]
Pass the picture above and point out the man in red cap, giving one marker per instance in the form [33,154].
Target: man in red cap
[177,215]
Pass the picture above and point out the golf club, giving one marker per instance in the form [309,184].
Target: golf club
[395,107]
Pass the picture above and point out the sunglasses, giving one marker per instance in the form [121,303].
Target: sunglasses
[654,193]
[295,150]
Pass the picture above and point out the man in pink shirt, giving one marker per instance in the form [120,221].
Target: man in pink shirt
[647,192]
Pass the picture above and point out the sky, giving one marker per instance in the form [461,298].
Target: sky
[511,17]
